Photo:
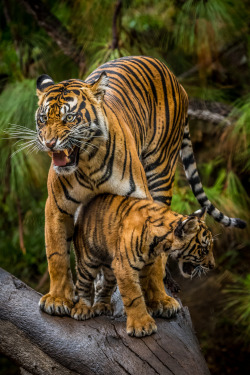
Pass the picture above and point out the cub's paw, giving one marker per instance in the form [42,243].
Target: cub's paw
[102,308]
[81,311]
[55,305]
[141,327]
[165,308]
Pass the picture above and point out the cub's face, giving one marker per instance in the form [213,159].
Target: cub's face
[193,246]
[69,119]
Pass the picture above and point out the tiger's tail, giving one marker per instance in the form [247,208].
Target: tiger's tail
[190,167]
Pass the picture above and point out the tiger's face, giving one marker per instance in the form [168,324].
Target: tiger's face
[193,245]
[70,119]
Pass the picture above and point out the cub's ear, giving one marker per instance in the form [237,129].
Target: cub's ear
[201,213]
[43,83]
[100,85]
[186,227]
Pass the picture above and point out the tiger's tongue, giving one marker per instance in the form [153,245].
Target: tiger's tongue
[59,159]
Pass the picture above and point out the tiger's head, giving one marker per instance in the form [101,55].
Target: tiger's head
[193,245]
[70,119]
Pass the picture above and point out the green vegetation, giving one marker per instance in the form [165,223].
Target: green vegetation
[205,43]
[238,302]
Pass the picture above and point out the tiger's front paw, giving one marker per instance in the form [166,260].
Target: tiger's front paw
[81,311]
[56,305]
[165,308]
[141,327]
[102,308]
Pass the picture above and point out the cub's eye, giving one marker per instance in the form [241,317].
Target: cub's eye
[43,118]
[70,118]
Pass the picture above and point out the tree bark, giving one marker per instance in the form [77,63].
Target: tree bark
[56,31]
[115,31]
[213,112]
[44,344]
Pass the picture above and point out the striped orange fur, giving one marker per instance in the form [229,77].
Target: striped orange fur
[119,132]
[123,236]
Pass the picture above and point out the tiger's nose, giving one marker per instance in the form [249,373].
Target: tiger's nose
[211,265]
[51,143]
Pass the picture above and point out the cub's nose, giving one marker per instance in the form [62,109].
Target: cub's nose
[51,143]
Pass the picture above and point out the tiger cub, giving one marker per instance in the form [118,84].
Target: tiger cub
[123,236]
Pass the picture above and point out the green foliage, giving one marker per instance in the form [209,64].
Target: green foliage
[25,170]
[240,134]
[208,22]
[226,192]
[238,305]
[23,177]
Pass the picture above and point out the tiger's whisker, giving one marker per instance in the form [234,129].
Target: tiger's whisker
[216,235]
[20,149]
[24,146]
[20,126]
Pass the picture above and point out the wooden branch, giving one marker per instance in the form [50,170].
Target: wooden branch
[115,32]
[44,344]
[56,31]
[225,52]
[213,112]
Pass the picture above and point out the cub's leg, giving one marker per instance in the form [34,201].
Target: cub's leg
[139,322]
[58,227]
[85,289]
[104,287]
[157,300]
[171,284]
[87,270]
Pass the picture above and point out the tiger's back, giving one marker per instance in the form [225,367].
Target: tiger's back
[144,94]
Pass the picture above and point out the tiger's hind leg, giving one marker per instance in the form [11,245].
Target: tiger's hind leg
[160,164]
[104,287]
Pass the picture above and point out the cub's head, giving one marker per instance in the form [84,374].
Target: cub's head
[193,245]
[69,119]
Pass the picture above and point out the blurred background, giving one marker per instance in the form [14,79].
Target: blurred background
[206,44]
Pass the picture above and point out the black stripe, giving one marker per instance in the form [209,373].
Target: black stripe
[55,253]
[131,303]
[131,178]
[66,193]
[59,208]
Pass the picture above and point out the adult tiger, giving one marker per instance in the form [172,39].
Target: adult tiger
[119,132]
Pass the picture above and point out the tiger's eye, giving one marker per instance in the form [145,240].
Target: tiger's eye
[43,118]
[70,118]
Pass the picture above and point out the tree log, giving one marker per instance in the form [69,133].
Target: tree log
[44,344]
[213,112]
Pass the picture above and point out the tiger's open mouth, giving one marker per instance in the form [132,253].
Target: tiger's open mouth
[65,158]
[187,269]
[190,270]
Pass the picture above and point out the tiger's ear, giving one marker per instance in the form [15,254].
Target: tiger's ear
[201,213]
[186,227]
[43,83]
[100,85]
